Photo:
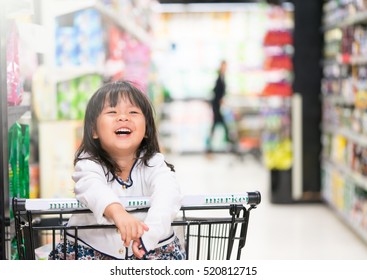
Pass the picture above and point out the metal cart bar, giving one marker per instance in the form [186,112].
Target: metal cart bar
[205,237]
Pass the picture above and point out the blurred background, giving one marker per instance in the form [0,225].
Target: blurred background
[294,106]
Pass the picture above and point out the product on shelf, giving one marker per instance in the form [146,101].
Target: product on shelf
[34,178]
[86,86]
[66,46]
[278,38]
[137,57]
[276,141]
[278,62]
[115,65]
[67,92]
[90,40]
[82,43]
[18,155]
[14,83]
[276,137]
[277,89]
[72,96]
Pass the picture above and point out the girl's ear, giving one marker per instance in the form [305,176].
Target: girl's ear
[95,136]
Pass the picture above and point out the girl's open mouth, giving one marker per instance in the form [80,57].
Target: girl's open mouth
[122,131]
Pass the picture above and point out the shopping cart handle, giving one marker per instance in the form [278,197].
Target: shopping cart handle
[249,198]
[254,198]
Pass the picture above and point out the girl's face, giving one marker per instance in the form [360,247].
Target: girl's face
[120,129]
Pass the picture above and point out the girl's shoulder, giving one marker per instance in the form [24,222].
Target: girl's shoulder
[87,167]
[87,164]
[157,159]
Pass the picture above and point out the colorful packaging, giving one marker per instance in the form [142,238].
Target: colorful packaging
[67,98]
[73,96]
[34,179]
[89,37]
[14,138]
[14,84]
[87,85]
[24,162]
[18,154]
[66,46]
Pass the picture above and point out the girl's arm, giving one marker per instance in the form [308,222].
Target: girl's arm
[129,227]
[91,189]
[165,202]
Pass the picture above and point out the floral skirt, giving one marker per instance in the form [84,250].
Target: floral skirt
[171,251]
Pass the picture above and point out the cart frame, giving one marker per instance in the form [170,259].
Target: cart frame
[205,237]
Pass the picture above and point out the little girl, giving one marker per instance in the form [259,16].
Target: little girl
[120,156]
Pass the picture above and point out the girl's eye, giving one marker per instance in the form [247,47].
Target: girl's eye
[134,112]
[111,112]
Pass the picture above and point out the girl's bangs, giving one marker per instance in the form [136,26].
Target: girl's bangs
[113,97]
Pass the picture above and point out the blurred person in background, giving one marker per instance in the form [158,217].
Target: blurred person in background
[216,103]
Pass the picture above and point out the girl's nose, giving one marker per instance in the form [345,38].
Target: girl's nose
[122,117]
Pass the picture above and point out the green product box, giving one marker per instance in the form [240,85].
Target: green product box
[87,85]
[67,95]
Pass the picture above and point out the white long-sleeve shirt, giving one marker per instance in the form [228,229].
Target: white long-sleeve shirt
[156,181]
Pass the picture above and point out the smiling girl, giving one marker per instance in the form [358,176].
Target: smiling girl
[120,156]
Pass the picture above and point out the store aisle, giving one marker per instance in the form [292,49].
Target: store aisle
[299,231]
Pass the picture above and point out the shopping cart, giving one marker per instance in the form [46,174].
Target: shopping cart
[211,227]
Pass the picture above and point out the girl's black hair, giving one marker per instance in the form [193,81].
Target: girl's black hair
[111,93]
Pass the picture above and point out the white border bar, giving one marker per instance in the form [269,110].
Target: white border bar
[138,201]
[297,179]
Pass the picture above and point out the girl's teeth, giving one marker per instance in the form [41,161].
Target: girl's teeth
[123,131]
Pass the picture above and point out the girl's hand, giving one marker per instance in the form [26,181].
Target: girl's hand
[128,226]
[138,250]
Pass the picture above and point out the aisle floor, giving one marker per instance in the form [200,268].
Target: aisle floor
[276,231]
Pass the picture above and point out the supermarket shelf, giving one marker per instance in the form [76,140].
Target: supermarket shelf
[124,24]
[339,195]
[358,60]
[338,100]
[257,101]
[347,220]
[358,178]
[346,59]
[360,17]
[15,113]
[62,74]
[71,6]
[61,8]
[347,133]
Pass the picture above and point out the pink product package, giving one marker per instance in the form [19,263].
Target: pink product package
[14,84]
